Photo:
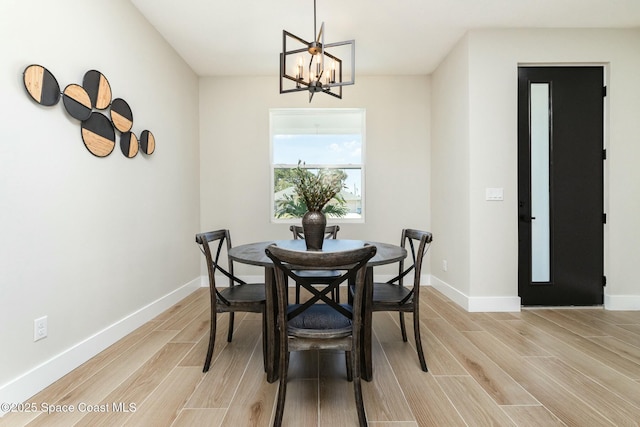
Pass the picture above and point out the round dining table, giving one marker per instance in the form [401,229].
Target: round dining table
[254,254]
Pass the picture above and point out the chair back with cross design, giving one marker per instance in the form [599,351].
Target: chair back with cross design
[393,295]
[321,322]
[330,232]
[238,296]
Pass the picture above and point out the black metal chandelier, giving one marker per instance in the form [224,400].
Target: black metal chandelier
[324,71]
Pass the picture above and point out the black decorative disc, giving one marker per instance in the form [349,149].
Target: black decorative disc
[98,135]
[129,144]
[41,85]
[121,115]
[147,142]
[98,88]
[76,101]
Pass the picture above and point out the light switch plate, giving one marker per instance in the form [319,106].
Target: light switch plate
[495,194]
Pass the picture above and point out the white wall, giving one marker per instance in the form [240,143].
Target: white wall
[493,58]
[234,132]
[88,241]
[450,171]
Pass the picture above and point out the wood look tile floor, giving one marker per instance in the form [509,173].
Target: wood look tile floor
[542,367]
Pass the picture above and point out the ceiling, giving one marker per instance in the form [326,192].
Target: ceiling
[244,37]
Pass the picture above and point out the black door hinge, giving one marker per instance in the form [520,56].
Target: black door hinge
[604,154]
[604,218]
[604,280]
[604,91]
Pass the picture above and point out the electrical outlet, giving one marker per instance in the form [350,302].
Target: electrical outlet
[40,328]
[444,265]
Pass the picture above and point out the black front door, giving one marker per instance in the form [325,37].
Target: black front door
[560,185]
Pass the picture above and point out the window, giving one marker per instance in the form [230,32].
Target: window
[321,138]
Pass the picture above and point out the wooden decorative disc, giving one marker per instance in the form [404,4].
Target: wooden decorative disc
[98,135]
[121,115]
[129,144]
[41,85]
[147,142]
[76,101]
[98,88]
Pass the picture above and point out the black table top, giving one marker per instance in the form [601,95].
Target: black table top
[253,253]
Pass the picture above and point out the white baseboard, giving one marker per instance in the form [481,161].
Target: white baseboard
[450,292]
[31,382]
[513,304]
[477,304]
[621,302]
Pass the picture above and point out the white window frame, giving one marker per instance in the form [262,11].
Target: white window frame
[305,113]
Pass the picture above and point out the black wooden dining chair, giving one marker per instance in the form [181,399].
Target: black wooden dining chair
[313,325]
[239,296]
[394,296]
[323,277]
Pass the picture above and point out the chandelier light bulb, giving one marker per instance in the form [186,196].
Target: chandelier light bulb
[299,69]
[333,72]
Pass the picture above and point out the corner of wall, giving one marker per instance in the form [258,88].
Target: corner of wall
[477,304]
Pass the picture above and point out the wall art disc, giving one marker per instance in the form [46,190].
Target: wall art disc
[76,101]
[147,142]
[41,85]
[121,115]
[129,144]
[98,88]
[98,135]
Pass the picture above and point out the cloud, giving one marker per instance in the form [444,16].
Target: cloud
[336,148]
[351,144]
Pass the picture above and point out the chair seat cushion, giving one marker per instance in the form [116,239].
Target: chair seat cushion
[389,293]
[320,321]
[249,292]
